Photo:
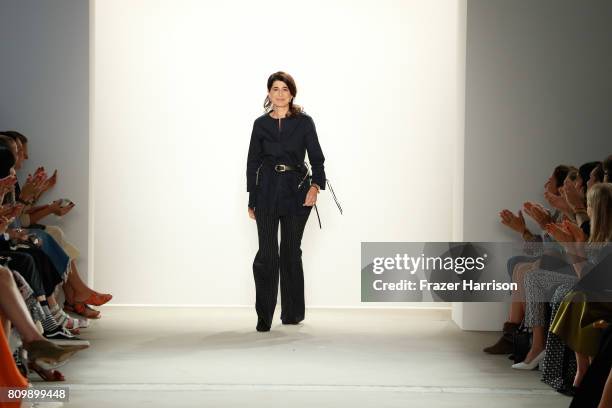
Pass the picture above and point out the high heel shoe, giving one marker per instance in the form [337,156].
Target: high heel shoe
[532,365]
[48,355]
[46,375]
[82,309]
[97,299]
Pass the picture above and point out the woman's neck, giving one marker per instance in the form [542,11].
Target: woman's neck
[280,112]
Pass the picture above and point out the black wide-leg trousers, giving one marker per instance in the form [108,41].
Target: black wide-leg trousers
[269,260]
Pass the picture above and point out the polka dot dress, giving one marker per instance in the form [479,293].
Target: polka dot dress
[559,365]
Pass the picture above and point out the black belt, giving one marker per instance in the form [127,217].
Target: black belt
[281,168]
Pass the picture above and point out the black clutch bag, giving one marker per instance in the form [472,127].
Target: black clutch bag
[521,344]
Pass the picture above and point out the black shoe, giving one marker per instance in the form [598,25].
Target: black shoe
[291,321]
[261,326]
[569,391]
[61,336]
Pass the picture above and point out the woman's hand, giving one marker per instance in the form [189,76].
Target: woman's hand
[311,197]
[251,213]
[4,223]
[514,222]
[59,210]
[11,210]
[50,182]
[32,187]
[7,185]
[9,181]
[560,233]
[538,213]
[557,201]
[576,231]
[573,196]
[571,237]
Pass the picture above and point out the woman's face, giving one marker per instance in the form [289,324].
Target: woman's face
[15,150]
[279,94]
[18,152]
[592,179]
[578,183]
[551,185]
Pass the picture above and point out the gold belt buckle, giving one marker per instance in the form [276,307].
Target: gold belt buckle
[280,168]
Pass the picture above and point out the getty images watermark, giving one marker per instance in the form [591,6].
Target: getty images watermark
[462,271]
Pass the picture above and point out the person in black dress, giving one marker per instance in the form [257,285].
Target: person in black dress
[281,192]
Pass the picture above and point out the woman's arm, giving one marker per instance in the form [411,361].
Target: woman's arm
[36,216]
[35,209]
[253,163]
[579,268]
[315,155]
[47,210]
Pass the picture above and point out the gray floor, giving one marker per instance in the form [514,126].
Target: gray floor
[338,358]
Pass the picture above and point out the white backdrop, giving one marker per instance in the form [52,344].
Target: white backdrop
[176,85]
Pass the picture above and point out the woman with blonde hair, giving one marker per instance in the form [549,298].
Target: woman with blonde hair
[581,308]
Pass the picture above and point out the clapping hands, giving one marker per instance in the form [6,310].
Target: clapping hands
[539,214]
[7,184]
[48,184]
[514,222]
[4,223]
[557,201]
[572,196]
[33,186]
[11,210]
[569,235]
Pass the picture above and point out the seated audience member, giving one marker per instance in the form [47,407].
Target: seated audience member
[574,320]
[13,309]
[520,265]
[559,364]
[77,294]
[30,260]
[539,283]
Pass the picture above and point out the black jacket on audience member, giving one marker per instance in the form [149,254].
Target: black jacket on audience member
[283,141]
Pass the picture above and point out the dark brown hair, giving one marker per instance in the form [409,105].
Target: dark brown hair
[13,134]
[607,168]
[585,173]
[599,173]
[287,80]
[9,143]
[560,173]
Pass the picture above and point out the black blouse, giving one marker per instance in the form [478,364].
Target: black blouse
[282,141]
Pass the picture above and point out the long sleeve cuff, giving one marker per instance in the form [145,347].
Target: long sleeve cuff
[320,181]
[252,199]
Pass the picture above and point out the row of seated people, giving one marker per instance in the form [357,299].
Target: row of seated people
[38,266]
[562,291]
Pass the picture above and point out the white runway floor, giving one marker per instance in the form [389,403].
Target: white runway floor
[202,357]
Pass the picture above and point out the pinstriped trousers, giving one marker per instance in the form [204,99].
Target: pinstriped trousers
[269,261]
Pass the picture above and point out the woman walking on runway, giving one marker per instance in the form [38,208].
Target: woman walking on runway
[281,191]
